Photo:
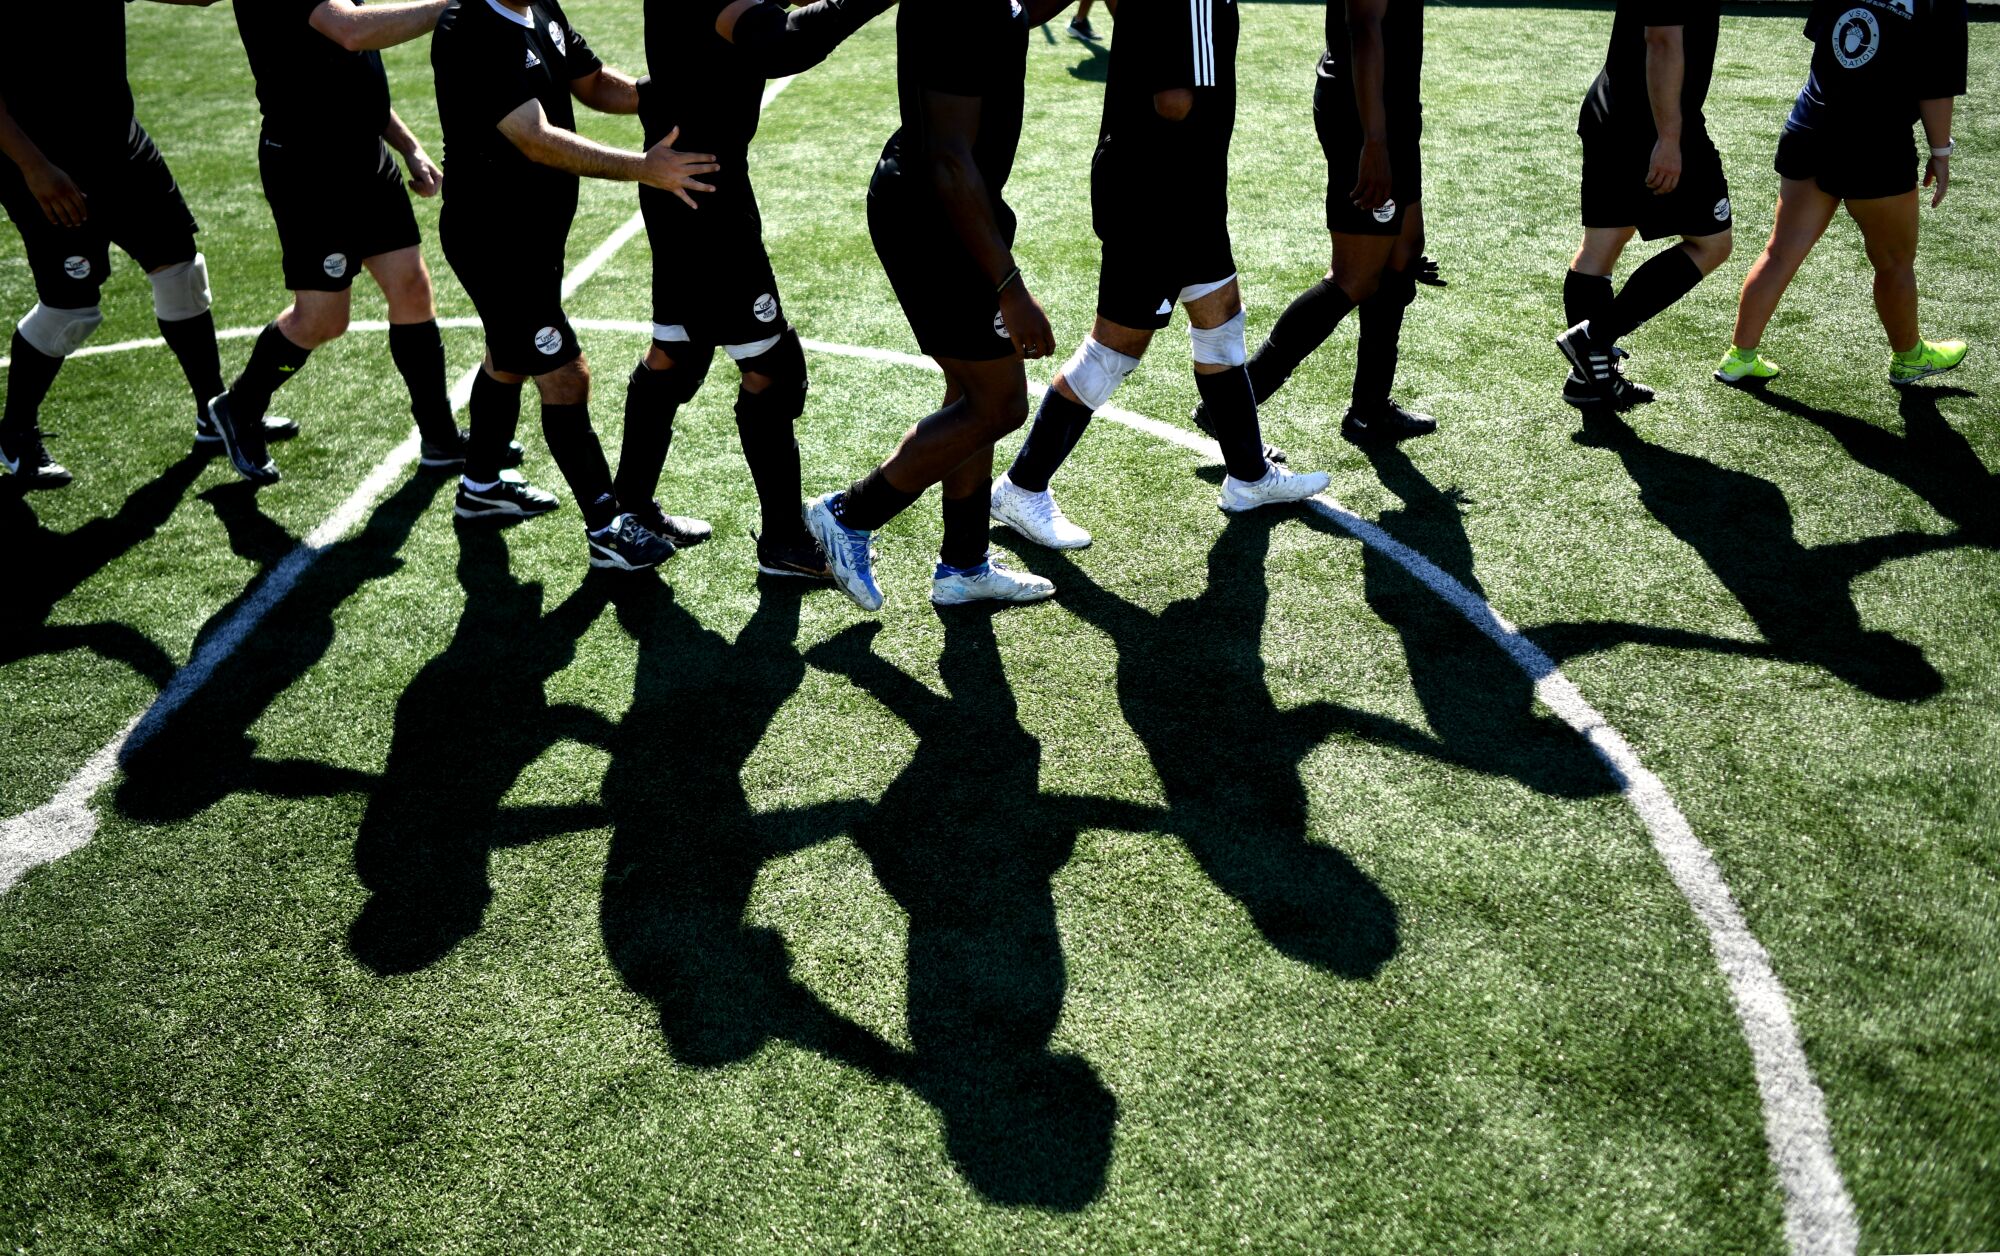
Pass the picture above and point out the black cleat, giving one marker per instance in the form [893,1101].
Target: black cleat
[208,440]
[1271,452]
[1385,424]
[510,497]
[680,529]
[451,453]
[245,447]
[625,544]
[1595,364]
[29,466]
[1625,394]
[800,558]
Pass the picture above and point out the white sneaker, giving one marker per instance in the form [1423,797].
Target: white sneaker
[988,582]
[849,554]
[1278,485]
[1036,516]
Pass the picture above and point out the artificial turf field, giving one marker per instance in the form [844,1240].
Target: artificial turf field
[1243,897]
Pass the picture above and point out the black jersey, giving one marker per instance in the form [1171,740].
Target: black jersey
[489,61]
[976,48]
[62,73]
[1163,46]
[1402,53]
[705,85]
[1873,60]
[308,86]
[1618,97]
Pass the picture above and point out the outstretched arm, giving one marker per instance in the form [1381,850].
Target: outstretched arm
[528,128]
[779,44]
[369,28]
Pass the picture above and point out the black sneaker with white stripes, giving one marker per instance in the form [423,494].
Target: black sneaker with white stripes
[1594,363]
[28,463]
[625,544]
[680,529]
[1384,424]
[243,444]
[509,497]
[446,454]
[207,439]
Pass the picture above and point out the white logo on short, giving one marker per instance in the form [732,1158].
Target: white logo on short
[1386,212]
[549,341]
[1856,37]
[335,265]
[76,267]
[1000,326]
[562,45]
[1722,210]
[766,308]
[1166,307]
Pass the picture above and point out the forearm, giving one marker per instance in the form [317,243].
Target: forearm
[572,153]
[14,142]
[400,137]
[961,190]
[376,26]
[1666,68]
[608,91]
[1936,115]
[1365,38]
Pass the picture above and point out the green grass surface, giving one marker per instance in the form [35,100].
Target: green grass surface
[1243,897]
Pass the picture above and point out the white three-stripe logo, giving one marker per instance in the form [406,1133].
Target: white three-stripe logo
[1201,15]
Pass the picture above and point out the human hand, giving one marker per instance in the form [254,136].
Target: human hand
[672,171]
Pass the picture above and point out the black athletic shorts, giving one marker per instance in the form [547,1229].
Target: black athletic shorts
[949,301]
[1155,246]
[516,288]
[1339,127]
[1615,192]
[712,280]
[134,204]
[336,205]
[1852,165]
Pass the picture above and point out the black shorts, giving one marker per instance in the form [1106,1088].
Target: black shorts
[1852,165]
[1615,192]
[134,204]
[336,205]
[517,290]
[1156,246]
[712,280]
[949,301]
[1339,127]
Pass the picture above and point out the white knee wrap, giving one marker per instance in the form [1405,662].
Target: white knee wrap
[181,292]
[1220,346]
[1195,292]
[59,333]
[1094,372]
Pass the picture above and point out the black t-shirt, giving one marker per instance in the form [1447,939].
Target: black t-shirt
[1402,54]
[1619,97]
[62,72]
[704,85]
[975,48]
[308,86]
[1873,60]
[1160,46]
[488,62]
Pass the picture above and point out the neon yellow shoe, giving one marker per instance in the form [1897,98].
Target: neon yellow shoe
[1745,366]
[1930,357]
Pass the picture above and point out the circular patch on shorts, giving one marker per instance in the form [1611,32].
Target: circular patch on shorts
[335,265]
[1000,327]
[765,308]
[549,341]
[76,267]
[1386,212]
[1856,37]
[1722,210]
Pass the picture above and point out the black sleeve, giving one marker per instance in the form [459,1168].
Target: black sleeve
[1663,13]
[1179,45]
[780,43]
[578,60]
[1942,71]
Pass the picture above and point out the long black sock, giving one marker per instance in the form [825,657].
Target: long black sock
[872,501]
[492,416]
[1058,426]
[966,529]
[274,360]
[573,444]
[1302,328]
[28,382]
[1586,298]
[418,352]
[193,343]
[1381,339]
[1664,279]
[649,434]
[764,426]
[1232,410]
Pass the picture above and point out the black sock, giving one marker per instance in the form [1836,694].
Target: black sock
[193,342]
[1302,328]
[1232,411]
[1664,279]
[492,416]
[649,434]
[1376,352]
[418,352]
[273,361]
[966,529]
[772,450]
[1058,426]
[28,382]
[573,444]
[1586,298]
[871,501]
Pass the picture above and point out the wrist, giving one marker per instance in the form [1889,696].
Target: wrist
[1943,152]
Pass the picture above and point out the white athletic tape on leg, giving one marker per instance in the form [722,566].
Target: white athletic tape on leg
[671,333]
[1094,372]
[1196,292]
[59,333]
[755,349]
[181,292]
[1220,346]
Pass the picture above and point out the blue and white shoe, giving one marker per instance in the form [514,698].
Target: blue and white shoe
[849,553]
[988,582]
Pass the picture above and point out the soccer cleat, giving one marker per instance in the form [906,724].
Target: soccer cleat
[626,544]
[848,554]
[988,582]
[1080,28]
[680,529]
[1384,424]
[1278,486]
[1035,516]
[509,497]
[245,447]
[205,435]
[1930,357]
[1271,452]
[29,466]
[1624,393]
[1745,367]
[448,454]
[800,558]
[1595,364]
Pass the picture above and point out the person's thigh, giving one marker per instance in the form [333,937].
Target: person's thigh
[1888,225]
[145,214]
[1804,212]
[69,264]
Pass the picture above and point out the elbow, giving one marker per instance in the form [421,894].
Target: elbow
[1662,39]
[1174,105]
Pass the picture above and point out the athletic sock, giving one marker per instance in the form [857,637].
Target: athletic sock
[1302,328]
[1376,351]
[193,343]
[649,433]
[1664,279]
[1586,298]
[1232,411]
[1058,426]
[573,444]
[493,415]
[871,501]
[772,452]
[418,352]
[28,382]
[274,360]
[966,529]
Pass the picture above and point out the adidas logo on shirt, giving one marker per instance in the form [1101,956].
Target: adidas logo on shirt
[533,60]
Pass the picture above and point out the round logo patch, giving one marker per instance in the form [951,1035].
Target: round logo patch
[1722,210]
[1000,327]
[76,267]
[1856,37]
[766,308]
[335,265]
[549,341]
[556,35]
[1386,213]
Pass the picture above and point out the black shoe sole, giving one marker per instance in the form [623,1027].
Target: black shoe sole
[794,573]
[36,483]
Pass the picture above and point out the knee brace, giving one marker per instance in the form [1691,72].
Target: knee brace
[59,333]
[1094,372]
[784,364]
[181,291]
[1220,346]
[681,381]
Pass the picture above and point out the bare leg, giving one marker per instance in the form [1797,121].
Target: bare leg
[1889,227]
[1803,214]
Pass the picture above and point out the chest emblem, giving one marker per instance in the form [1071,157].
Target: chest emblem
[1857,36]
[556,37]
